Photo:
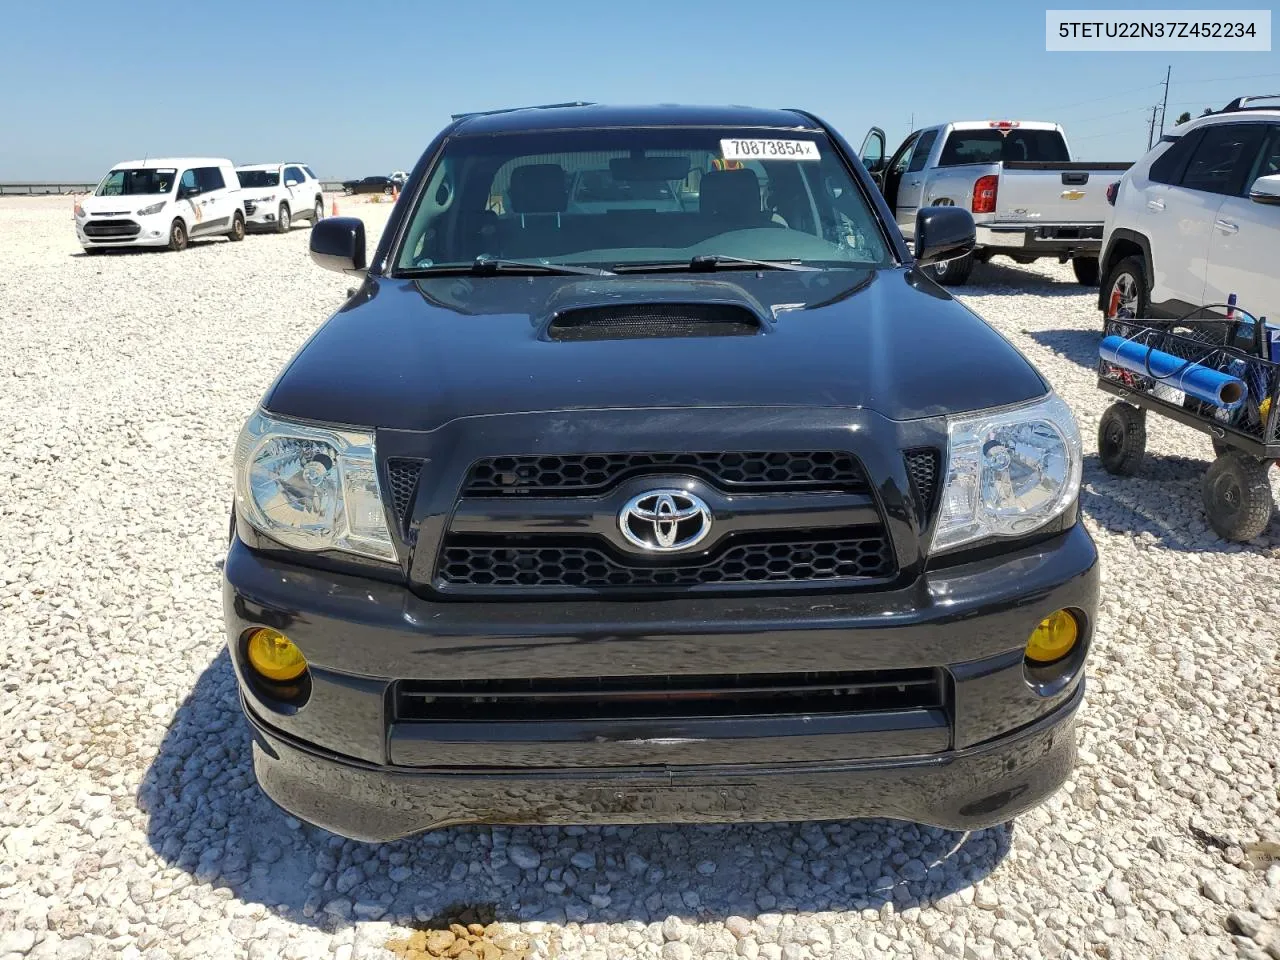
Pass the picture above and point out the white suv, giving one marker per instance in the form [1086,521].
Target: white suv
[1198,218]
[161,203]
[276,194]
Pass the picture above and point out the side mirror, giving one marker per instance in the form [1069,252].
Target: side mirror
[291,183]
[1266,190]
[944,233]
[187,192]
[874,165]
[337,243]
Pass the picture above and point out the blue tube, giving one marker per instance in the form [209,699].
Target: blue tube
[1193,379]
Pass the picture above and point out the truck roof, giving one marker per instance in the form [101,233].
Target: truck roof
[1020,124]
[593,115]
[270,166]
[150,162]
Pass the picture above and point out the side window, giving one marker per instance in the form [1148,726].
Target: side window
[310,173]
[1268,164]
[189,183]
[903,157]
[210,178]
[1223,158]
[920,153]
[1168,167]
[293,173]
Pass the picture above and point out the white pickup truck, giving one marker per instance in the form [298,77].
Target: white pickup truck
[1028,198]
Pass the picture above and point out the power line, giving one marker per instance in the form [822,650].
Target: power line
[1118,113]
[1110,96]
[1251,76]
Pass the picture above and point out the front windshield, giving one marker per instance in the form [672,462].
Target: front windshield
[259,178]
[605,198]
[129,183]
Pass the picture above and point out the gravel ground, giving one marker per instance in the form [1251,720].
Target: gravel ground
[131,826]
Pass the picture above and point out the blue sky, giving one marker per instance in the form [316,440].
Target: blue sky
[356,89]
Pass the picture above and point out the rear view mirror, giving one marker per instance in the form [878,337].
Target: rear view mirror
[1266,190]
[337,243]
[943,233]
[649,168]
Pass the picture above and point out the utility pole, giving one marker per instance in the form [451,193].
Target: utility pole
[911,124]
[1151,130]
[1167,73]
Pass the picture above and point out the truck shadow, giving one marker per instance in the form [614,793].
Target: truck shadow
[208,818]
[1078,346]
[1162,501]
[1004,276]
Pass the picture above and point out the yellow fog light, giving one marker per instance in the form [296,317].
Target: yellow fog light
[1053,638]
[275,656]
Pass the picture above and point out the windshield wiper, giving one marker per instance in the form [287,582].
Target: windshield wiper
[707,262]
[491,266]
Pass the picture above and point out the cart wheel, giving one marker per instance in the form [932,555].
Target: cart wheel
[1122,439]
[1237,496]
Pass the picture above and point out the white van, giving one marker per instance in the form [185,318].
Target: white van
[162,203]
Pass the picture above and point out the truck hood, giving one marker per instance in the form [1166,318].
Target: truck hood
[415,355]
[261,193]
[126,206]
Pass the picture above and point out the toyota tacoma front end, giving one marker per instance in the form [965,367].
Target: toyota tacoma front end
[696,503]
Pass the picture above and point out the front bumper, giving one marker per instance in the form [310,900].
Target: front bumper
[261,213]
[124,231]
[961,790]
[346,761]
[1042,239]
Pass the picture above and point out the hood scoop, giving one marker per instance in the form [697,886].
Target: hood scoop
[650,321]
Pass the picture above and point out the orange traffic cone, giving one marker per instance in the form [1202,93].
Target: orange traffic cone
[395,192]
[335,207]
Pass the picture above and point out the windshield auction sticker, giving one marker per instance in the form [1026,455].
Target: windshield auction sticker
[769,150]
[1194,30]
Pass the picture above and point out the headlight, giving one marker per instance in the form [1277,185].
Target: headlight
[311,488]
[79,211]
[154,208]
[1009,472]
[267,199]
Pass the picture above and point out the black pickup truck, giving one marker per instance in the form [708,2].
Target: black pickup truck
[715,511]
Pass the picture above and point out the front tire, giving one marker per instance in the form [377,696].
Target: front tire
[1086,270]
[953,273]
[237,228]
[388,191]
[1128,291]
[283,219]
[1237,496]
[318,213]
[1122,439]
[178,236]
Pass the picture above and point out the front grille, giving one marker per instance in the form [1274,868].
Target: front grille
[670,696]
[250,206]
[402,478]
[587,473]
[648,321]
[923,466]
[802,556]
[111,228]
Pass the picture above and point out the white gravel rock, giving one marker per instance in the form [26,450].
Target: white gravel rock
[131,824]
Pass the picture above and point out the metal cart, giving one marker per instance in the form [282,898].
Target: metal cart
[1246,440]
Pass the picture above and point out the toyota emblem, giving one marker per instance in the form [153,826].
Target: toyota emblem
[665,521]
